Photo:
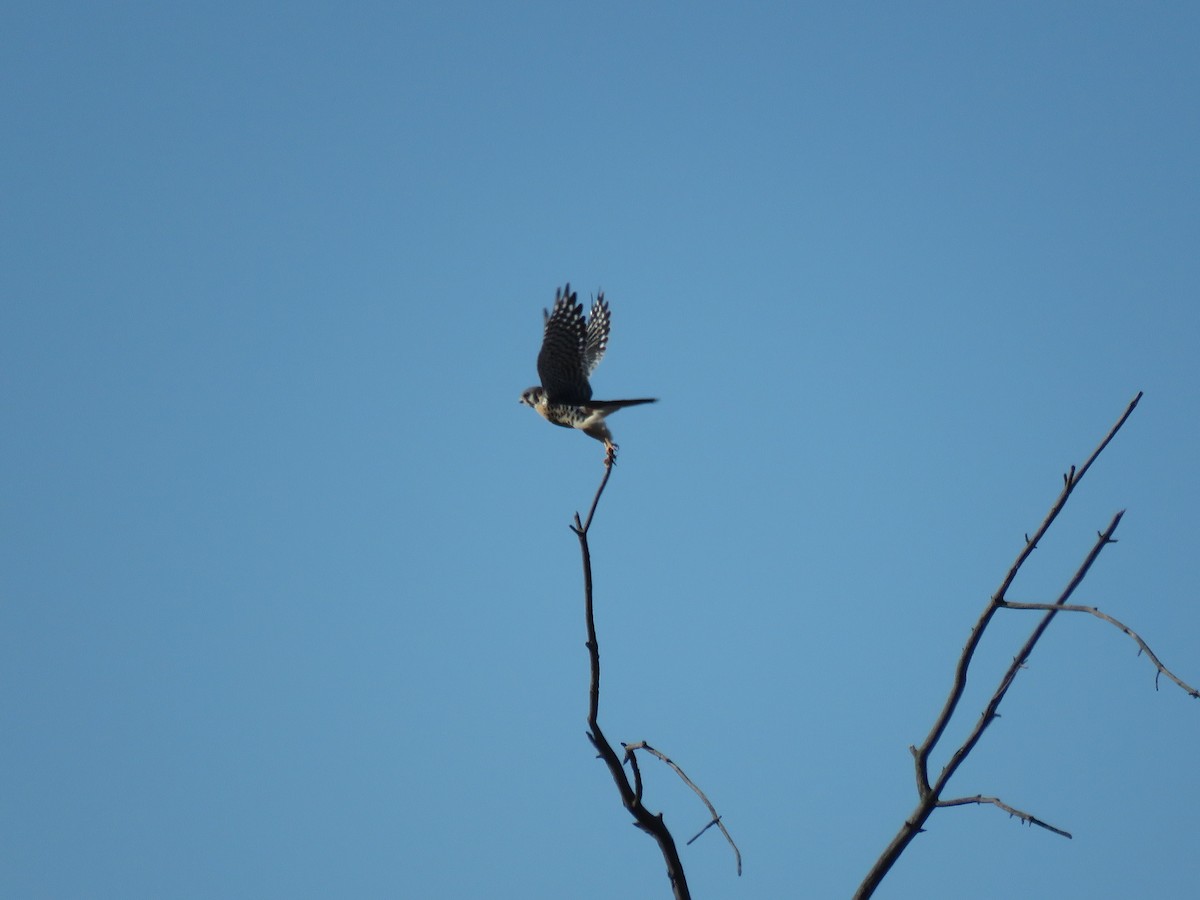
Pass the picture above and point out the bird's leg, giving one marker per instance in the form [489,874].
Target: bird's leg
[610,453]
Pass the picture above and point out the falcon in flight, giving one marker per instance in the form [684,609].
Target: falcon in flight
[572,347]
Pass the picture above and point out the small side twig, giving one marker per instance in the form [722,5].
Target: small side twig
[1025,817]
[716,817]
[1143,647]
[637,773]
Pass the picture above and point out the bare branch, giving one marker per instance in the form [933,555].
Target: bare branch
[631,797]
[716,817]
[928,792]
[989,713]
[1143,647]
[631,757]
[1070,482]
[581,529]
[996,801]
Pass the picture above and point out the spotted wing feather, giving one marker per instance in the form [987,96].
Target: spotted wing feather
[561,362]
[597,335]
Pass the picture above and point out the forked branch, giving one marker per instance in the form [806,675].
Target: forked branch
[1070,481]
[929,791]
[716,817]
[631,794]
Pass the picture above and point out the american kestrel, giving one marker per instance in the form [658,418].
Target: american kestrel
[572,347]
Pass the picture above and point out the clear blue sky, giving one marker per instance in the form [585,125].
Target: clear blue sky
[290,606]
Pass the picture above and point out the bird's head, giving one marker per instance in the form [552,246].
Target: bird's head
[533,396]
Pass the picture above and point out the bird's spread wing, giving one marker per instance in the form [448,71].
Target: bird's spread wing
[597,335]
[561,364]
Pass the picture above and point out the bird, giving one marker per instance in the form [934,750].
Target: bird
[572,347]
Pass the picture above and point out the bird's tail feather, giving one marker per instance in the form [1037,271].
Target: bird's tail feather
[611,405]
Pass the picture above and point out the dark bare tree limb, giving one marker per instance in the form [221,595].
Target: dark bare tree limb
[929,793]
[1018,663]
[631,797]
[1070,481]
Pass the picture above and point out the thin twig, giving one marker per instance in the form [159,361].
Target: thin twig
[1143,647]
[996,801]
[716,817]
[579,529]
[631,757]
